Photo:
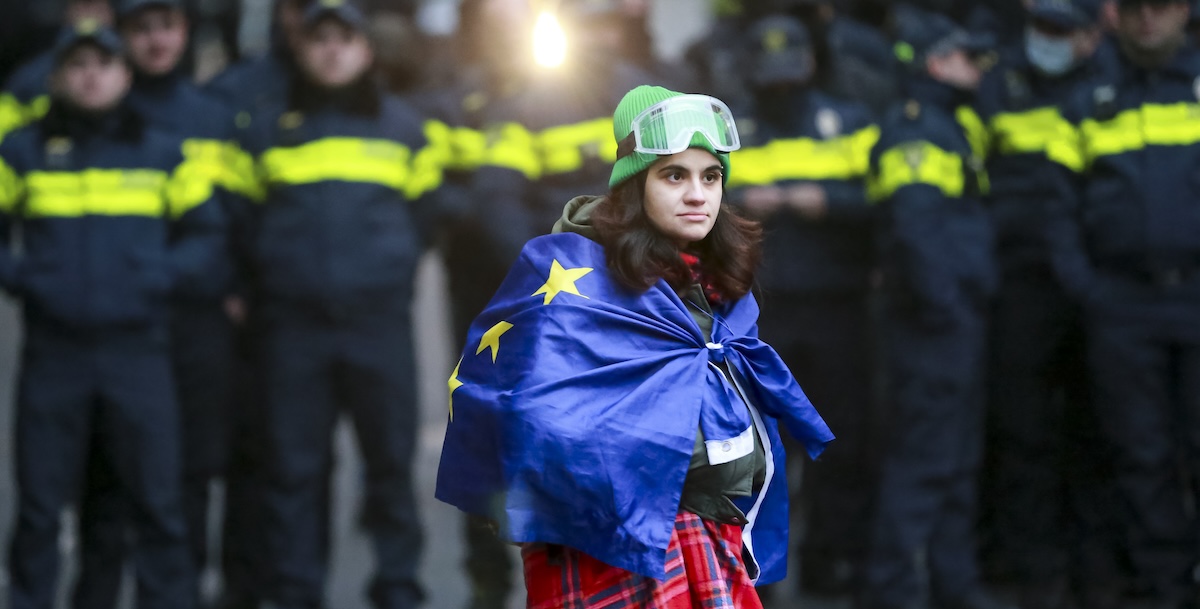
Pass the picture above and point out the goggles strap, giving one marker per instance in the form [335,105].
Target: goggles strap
[626,147]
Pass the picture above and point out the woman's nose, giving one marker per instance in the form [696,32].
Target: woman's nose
[695,191]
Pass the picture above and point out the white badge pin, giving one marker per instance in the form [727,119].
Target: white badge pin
[829,123]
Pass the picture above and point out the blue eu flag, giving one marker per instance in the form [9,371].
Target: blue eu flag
[574,410]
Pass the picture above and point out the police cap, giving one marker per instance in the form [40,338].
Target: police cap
[1066,14]
[780,51]
[125,8]
[87,31]
[343,10]
[921,34]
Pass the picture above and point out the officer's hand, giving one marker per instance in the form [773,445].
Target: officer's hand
[808,200]
[235,308]
[763,200]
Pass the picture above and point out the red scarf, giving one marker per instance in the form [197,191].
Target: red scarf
[701,278]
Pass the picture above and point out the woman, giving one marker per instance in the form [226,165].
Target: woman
[614,411]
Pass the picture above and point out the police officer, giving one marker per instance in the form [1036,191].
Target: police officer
[1131,256]
[113,221]
[203,336]
[24,97]
[806,155]
[334,250]
[936,246]
[1040,434]
[255,86]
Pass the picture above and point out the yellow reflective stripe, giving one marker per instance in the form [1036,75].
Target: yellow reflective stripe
[439,141]
[562,146]
[100,192]
[916,163]
[860,144]
[426,171]
[842,158]
[212,161]
[512,146]
[469,147]
[793,159]
[11,188]
[12,114]
[204,166]
[1037,131]
[242,173]
[1150,125]
[751,167]
[37,108]
[976,132]
[369,161]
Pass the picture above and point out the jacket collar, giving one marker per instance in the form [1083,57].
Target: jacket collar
[362,97]
[121,123]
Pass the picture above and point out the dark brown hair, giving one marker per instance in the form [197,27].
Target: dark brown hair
[639,255]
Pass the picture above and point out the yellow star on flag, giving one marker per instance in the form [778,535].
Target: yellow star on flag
[491,339]
[561,280]
[454,384]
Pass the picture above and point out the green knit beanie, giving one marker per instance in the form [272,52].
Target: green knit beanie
[633,104]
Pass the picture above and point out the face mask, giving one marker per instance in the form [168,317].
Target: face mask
[1049,54]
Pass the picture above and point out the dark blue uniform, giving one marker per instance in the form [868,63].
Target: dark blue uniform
[254,85]
[113,223]
[333,253]
[938,273]
[251,87]
[1045,475]
[1129,250]
[25,97]
[204,345]
[815,282]
[863,67]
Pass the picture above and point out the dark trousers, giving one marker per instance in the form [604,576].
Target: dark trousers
[473,280]
[204,357]
[115,389]
[244,559]
[933,440]
[1144,355]
[826,340]
[204,354]
[314,367]
[1047,497]
[104,526]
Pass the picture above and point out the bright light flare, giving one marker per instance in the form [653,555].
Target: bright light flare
[549,41]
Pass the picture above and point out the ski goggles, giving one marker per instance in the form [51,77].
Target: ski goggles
[668,127]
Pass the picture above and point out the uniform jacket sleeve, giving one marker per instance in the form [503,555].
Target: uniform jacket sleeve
[11,194]
[1064,231]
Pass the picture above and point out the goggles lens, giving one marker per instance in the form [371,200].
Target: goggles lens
[668,126]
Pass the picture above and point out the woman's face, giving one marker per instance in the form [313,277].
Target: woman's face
[683,195]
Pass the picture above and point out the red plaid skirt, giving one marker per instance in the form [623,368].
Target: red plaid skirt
[704,571]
